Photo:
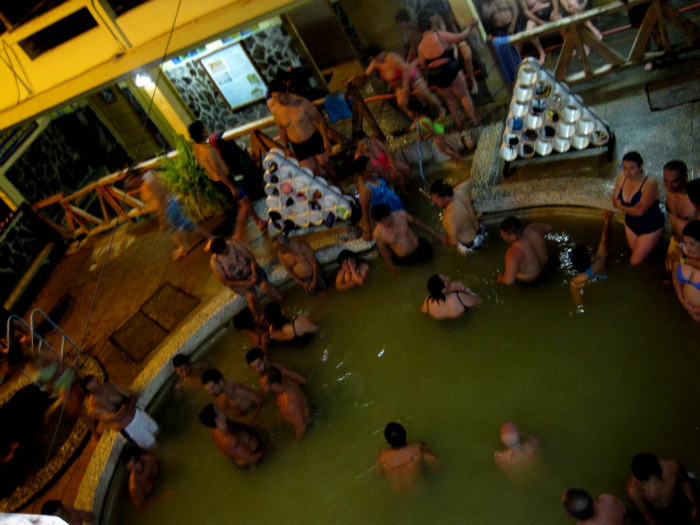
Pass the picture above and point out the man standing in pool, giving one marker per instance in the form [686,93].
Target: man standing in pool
[678,205]
[661,491]
[403,463]
[236,399]
[605,510]
[396,241]
[259,362]
[518,453]
[237,441]
[143,471]
[461,224]
[527,255]
[290,400]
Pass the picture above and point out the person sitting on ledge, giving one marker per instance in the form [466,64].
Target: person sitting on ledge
[589,268]
[236,267]
[527,256]
[396,241]
[143,471]
[661,491]
[284,329]
[291,401]
[446,299]
[352,270]
[605,510]
[258,361]
[68,514]
[116,407]
[518,453]
[236,399]
[403,463]
[237,441]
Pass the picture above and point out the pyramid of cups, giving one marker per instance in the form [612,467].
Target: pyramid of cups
[546,118]
[295,197]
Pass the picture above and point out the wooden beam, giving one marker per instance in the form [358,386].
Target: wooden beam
[643,35]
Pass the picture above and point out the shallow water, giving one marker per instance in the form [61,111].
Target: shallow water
[596,387]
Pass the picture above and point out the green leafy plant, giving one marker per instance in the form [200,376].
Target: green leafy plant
[185,177]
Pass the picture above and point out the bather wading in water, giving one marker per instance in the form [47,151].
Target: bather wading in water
[527,257]
[283,329]
[589,268]
[447,299]
[403,463]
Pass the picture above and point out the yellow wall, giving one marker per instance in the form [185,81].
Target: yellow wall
[114,49]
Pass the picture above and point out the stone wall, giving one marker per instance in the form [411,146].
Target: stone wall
[73,150]
[271,49]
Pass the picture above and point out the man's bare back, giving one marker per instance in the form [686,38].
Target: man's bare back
[397,235]
[527,254]
[404,466]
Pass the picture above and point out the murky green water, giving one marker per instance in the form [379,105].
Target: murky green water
[596,387]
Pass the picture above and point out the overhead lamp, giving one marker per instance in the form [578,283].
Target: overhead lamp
[142,80]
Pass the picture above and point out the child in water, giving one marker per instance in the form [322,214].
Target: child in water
[428,128]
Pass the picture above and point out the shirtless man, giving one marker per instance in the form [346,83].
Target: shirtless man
[68,514]
[396,241]
[217,170]
[257,360]
[678,205]
[502,17]
[403,463]
[527,254]
[189,373]
[291,402]
[606,510]
[538,13]
[518,453]
[661,491]
[461,224]
[401,77]
[143,471]
[302,125]
[235,266]
[116,407]
[237,441]
[236,399]
[300,262]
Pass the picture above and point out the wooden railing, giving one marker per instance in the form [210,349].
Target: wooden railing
[577,37]
[117,205]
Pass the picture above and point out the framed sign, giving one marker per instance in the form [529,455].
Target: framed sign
[235,76]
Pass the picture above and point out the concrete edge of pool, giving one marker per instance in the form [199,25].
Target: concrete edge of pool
[577,194]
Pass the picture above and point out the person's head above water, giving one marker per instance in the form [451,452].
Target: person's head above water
[580,258]
[380,212]
[273,314]
[243,320]
[510,434]
[253,355]
[578,503]
[395,435]
[511,227]
[675,175]
[211,376]
[691,235]
[646,465]
[425,22]
[344,255]
[440,188]
[207,416]
[633,156]
[180,360]
[436,287]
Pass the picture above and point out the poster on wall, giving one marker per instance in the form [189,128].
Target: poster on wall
[235,76]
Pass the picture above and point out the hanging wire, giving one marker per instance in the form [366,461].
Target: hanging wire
[81,343]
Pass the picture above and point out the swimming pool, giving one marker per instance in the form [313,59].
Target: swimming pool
[595,387]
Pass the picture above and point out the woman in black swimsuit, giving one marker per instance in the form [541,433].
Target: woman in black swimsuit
[447,300]
[282,328]
[637,195]
[436,54]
